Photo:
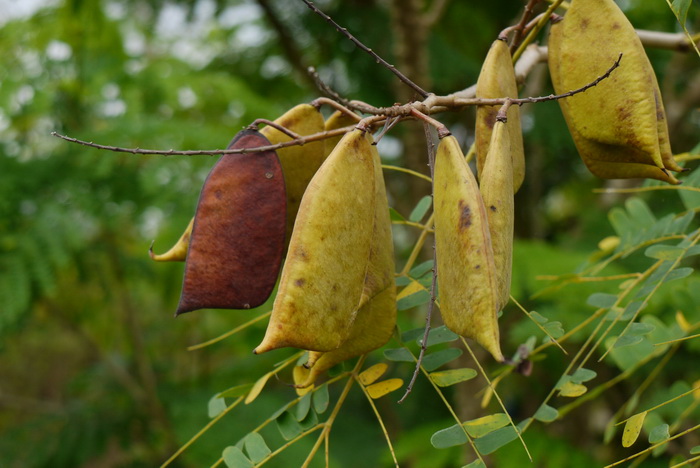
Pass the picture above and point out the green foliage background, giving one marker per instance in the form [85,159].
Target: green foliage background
[95,370]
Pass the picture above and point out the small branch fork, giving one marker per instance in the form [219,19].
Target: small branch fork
[422,110]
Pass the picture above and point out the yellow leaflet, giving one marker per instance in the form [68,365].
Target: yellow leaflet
[384,387]
[683,322]
[371,374]
[412,288]
[570,389]
[632,429]
[300,374]
[482,426]
[257,388]
[696,392]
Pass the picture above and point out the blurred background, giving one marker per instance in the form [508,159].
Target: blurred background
[94,369]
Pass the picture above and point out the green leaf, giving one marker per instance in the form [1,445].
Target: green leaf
[546,414]
[402,281]
[680,8]
[452,376]
[234,458]
[309,421]
[438,335]
[679,273]
[495,440]
[288,426]
[216,406]
[633,427]
[238,390]
[601,300]
[320,399]
[583,375]
[399,354]
[628,340]
[664,252]
[537,317]
[630,310]
[475,464]
[449,437]
[395,215]
[555,329]
[414,300]
[659,434]
[303,407]
[421,269]
[421,208]
[434,360]
[638,328]
[487,424]
[695,450]
[414,334]
[256,447]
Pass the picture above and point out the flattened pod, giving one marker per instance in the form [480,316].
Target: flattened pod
[497,80]
[376,317]
[624,110]
[465,264]
[499,203]
[604,160]
[237,238]
[178,252]
[299,163]
[323,275]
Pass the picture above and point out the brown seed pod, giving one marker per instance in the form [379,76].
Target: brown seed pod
[237,238]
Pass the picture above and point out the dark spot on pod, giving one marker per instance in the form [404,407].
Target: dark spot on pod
[465,215]
[477,267]
[300,282]
[237,242]
[493,208]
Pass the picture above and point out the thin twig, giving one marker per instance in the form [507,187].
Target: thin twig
[374,55]
[519,29]
[335,105]
[256,123]
[430,105]
[452,102]
[433,285]
[285,144]
[326,89]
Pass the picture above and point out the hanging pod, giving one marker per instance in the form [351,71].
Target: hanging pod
[323,275]
[619,125]
[299,162]
[466,270]
[497,80]
[237,240]
[376,317]
[494,185]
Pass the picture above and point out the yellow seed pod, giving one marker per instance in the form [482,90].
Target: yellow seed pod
[323,276]
[604,160]
[621,119]
[497,80]
[337,120]
[376,318]
[178,252]
[299,163]
[495,189]
[465,264]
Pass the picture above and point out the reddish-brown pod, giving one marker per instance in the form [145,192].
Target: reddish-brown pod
[237,240]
